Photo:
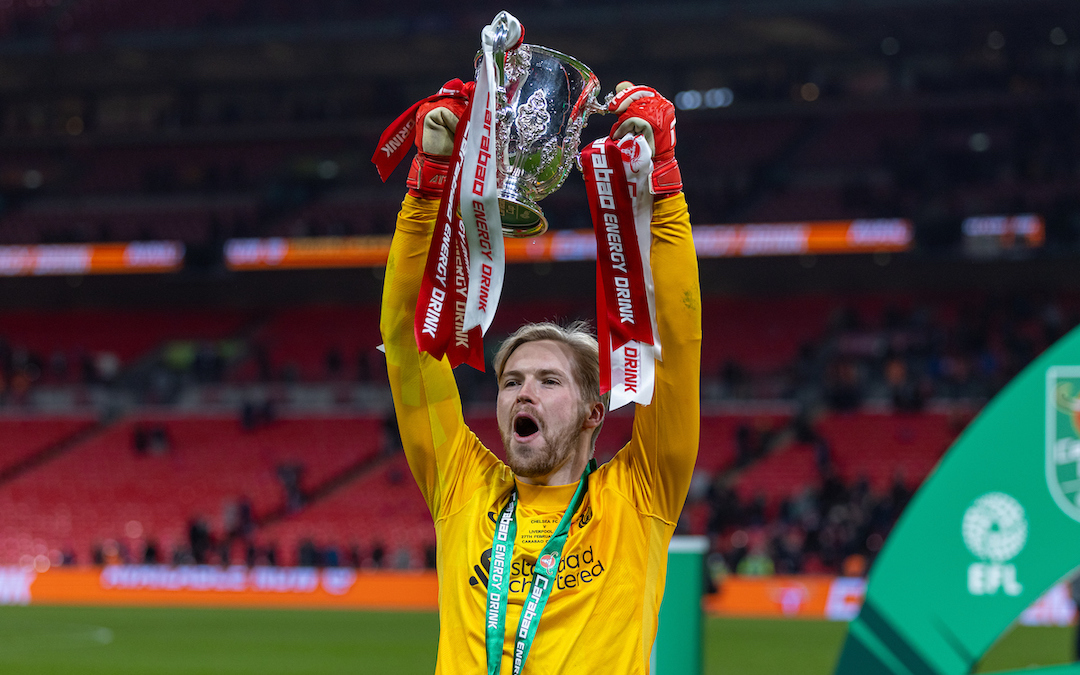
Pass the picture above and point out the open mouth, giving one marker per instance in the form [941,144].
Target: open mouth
[525,427]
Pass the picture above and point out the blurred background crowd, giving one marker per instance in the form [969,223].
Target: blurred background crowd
[212,416]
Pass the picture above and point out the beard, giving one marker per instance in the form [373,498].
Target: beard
[534,461]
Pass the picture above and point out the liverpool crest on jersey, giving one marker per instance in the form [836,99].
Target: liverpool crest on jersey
[1063,437]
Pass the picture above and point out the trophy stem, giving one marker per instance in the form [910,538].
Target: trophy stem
[520,214]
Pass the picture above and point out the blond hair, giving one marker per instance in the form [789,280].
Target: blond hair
[585,359]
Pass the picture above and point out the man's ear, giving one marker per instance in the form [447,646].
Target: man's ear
[595,417]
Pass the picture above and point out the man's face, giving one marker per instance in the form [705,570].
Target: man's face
[540,410]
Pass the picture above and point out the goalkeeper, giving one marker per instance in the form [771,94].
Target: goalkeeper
[546,563]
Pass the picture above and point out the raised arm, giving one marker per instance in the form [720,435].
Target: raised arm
[425,394]
[664,445]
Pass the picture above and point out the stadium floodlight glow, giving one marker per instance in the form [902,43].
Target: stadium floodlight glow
[691,99]
[720,97]
[979,142]
[328,169]
[33,179]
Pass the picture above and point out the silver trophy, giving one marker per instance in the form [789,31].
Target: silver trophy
[543,99]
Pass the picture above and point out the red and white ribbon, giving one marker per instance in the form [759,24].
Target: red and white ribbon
[440,307]
[617,180]
[463,277]
[479,200]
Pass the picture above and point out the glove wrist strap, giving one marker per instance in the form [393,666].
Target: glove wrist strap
[666,178]
[427,175]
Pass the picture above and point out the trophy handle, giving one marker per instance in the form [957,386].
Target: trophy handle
[601,107]
[594,106]
[504,32]
[500,29]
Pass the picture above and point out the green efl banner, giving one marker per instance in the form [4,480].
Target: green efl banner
[993,527]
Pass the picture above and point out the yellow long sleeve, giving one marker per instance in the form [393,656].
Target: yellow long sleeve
[602,613]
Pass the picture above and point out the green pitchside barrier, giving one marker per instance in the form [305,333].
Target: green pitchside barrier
[678,646]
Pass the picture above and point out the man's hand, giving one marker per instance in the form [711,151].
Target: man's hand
[436,123]
[642,110]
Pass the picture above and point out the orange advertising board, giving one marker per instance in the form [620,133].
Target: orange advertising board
[788,596]
[236,586]
[809,238]
[712,241]
[306,252]
[365,589]
[138,257]
[811,597]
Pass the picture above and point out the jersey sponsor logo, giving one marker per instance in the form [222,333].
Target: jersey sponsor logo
[995,529]
[1063,438]
[570,571]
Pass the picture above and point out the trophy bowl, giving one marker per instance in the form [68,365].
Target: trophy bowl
[543,100]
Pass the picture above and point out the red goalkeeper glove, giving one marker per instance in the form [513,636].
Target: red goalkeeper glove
[436,123]
[642,110]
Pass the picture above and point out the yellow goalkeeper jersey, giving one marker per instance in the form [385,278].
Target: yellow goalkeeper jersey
[602,613]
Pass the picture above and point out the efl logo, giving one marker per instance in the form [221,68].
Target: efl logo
[995,529]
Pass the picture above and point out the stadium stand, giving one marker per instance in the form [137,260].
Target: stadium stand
[765,353]
[732,440]
[200,469]
[779,476]
[876,448]
[761,336]
[316,344]
[26,437]
[128,334]
[882,447]
[382,508]
[207,120]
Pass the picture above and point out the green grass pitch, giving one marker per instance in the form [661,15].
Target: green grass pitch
[151,641]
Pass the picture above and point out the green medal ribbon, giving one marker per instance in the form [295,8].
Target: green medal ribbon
[547,565]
